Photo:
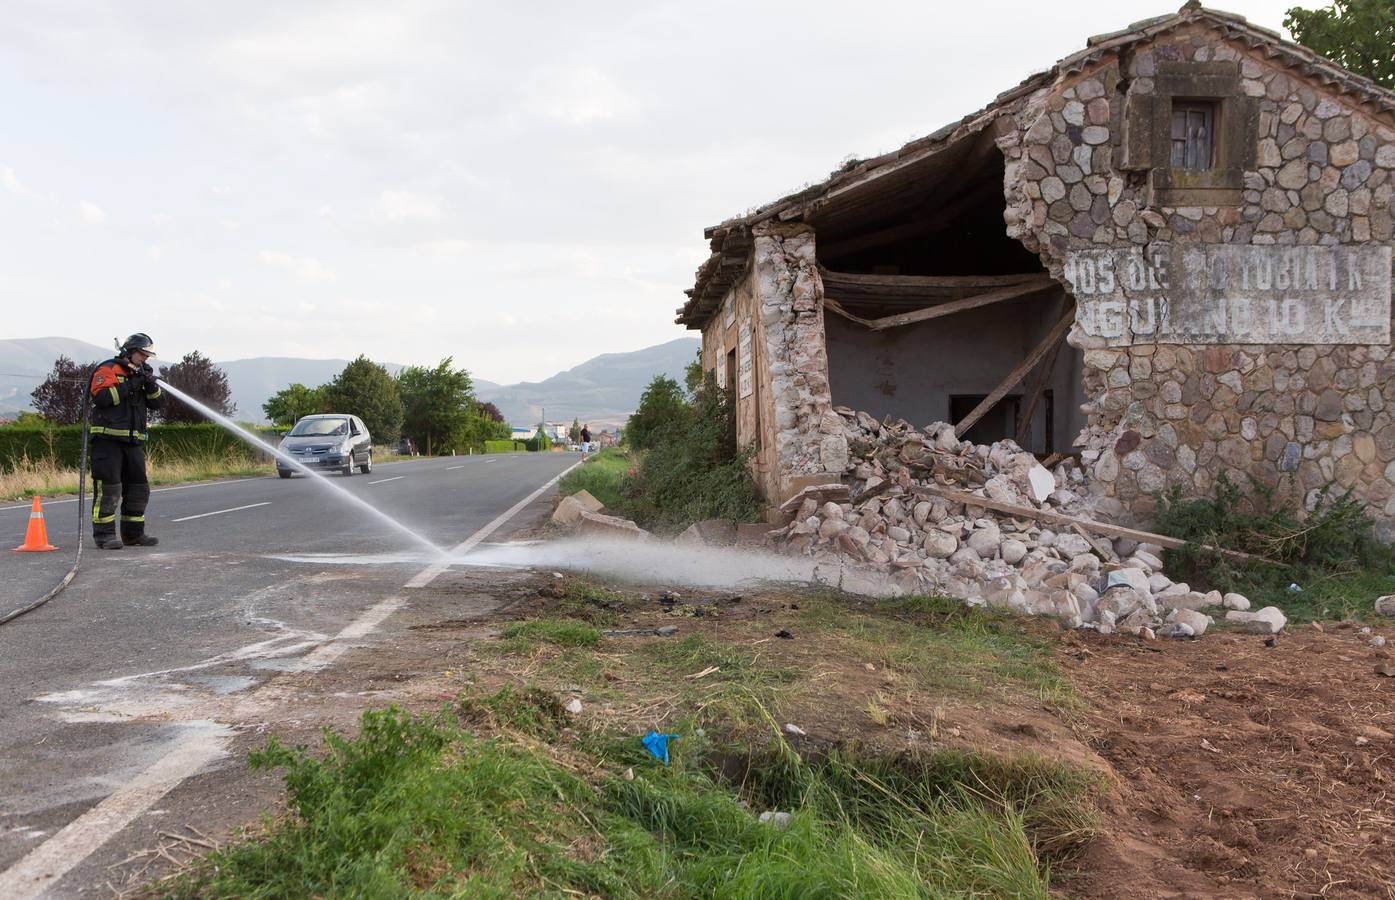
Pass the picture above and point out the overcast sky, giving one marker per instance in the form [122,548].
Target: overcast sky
[522,188]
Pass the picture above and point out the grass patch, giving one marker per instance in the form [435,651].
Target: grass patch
[948,647]
[562,632]
[24,477]
[420,806]
[1331,553]
[600,475]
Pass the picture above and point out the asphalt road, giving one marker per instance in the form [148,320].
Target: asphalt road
[252,578]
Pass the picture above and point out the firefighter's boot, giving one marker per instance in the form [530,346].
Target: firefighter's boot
[141,540]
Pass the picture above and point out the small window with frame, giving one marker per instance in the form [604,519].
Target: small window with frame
[1193,138]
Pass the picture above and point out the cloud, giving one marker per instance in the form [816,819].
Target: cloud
[304,267]
[578,96]
[91,213]
[400,205]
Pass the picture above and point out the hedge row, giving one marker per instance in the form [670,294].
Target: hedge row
[64,443]
[504,446]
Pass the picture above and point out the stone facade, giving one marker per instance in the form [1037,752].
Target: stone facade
[1303,158]
[1320,175]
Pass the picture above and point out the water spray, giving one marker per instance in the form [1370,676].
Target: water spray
[242,434]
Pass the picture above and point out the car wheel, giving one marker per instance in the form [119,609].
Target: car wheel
[348,465]
[284,473]
[367,467]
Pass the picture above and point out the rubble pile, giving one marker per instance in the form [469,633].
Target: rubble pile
[887,516]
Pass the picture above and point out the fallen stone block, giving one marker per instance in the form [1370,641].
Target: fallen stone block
[569,511]
[1269,620]
[1198,622]
[709,533]
[600,525]
[1385,606]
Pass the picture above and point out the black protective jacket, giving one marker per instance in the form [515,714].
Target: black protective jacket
[119,402]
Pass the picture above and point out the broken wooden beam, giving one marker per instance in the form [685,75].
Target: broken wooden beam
[1053,337]
[1010,292]
[1051,517]
[1024,425]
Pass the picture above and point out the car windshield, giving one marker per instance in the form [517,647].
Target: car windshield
[320,427]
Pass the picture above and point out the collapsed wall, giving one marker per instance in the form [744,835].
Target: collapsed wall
[908,511]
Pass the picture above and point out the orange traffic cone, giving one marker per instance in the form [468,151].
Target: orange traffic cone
[36,538]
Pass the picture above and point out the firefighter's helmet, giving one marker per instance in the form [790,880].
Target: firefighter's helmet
[138,341]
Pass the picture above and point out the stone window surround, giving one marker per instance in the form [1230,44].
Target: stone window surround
[1149,128]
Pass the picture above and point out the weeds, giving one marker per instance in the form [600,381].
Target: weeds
[418,806]
[1331,554]
[600,476]
[562,632]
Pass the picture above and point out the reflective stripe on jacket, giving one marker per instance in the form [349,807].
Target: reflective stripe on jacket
[118,412]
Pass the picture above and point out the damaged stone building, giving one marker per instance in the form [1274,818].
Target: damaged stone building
[1169,255]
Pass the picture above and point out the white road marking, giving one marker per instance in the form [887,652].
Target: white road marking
[428,575]
[43,866]
[448,468]
[385,480]
[219,512]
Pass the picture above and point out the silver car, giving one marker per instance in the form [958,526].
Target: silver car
[329,441]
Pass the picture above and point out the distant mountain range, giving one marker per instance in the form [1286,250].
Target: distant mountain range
[602,391]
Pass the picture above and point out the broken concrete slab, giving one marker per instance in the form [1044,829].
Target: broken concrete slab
[709,533]
[598,524]
[569,511]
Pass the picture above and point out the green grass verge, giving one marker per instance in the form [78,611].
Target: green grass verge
[946,646]
[600,475]
[420,806]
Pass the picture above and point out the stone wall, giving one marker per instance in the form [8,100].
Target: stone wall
[808,445]
[1318,173]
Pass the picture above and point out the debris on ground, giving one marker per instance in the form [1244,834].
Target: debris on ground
[905,511]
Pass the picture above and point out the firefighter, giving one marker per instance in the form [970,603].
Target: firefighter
[123,388]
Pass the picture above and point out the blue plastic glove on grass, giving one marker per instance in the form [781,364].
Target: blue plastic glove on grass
[657,744]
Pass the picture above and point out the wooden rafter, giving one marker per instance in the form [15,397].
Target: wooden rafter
[1011,292]
[1053,337]
[1024,427]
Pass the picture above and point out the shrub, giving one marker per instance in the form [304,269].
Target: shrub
[692,469]
[1331,553]
[501,446]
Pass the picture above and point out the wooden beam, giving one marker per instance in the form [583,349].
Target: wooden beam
[1024,427]
[1011,292]
[940,281]
[834,306]
[1051,517]
[1053,337]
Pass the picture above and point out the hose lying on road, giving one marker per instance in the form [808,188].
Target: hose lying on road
[82,520]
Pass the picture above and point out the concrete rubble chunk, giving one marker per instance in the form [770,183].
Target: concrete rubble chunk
[1236,601]
[569,511]
[1385,606]
[1196,621]
[710,533]
[1269,620]
[601,525]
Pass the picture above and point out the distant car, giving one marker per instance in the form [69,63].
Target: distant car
[329,441]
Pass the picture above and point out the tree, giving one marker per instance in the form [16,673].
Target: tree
[288,405]
[1356,34]
[59,398]
[197,376]
[575,431]
[662,406]
[490,411]
[436,405]
[366,390]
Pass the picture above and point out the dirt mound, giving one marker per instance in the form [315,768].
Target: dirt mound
[1243,769]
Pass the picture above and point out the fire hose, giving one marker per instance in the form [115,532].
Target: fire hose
[82,518]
